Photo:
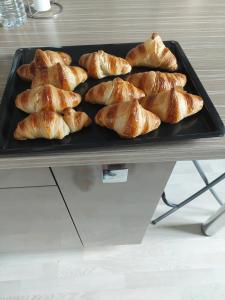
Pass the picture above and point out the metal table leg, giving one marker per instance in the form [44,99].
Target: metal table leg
[215,222]
[204,178]
[191,198]
[168,203]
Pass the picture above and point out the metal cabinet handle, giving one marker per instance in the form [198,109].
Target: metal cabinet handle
[114,173]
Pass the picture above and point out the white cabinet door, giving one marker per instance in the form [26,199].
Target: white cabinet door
[35,219]
[25,177]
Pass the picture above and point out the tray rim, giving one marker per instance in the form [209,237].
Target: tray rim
[196,81]
[215,117]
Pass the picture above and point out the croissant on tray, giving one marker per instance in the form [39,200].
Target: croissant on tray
[152,53]
[128,119]
[101,64]
[44,124]
[154,82]
[46,97]
[174,105]
[113,91]
[61,76]
[76,120]
[43,59]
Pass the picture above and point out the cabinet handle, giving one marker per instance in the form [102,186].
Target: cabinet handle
[114,173]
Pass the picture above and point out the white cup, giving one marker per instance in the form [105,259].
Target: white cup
[42,5]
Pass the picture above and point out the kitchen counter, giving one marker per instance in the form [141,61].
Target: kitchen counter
[199,26]
[69,204]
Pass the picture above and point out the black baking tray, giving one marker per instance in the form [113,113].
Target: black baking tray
[204,124]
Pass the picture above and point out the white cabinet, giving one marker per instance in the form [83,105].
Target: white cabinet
[35,219]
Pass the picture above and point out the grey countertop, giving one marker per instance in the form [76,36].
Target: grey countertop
[199,26]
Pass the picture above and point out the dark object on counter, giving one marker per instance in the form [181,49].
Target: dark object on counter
[205,124]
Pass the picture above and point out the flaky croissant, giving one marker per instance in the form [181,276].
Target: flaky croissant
[113,91]
[101,64]
[61,76]
[46,97]
[44,124]
[174,105]
[128,119]
[152,53]
[42,59]
[154,82]
[76,120]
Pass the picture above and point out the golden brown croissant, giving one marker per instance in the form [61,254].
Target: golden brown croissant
[43,59]
[76,120]
[46,97]
[114,91]
[128,119]
[61,76]
[174,105]
[44,124]
[101,64]
[152,53]
[154,82]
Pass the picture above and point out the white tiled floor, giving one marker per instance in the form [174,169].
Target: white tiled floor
[174,261]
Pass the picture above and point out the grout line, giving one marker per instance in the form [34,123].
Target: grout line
[56,182]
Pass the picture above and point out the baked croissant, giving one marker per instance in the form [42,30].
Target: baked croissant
[114,91]
[44,124]
[101,64]
[154,82]
[152,53]
[128,119]
[46,97]
[174,105]
[42,59]
[61,76]
[76,120]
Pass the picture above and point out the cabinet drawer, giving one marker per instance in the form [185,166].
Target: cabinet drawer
[35,219]
[25,177]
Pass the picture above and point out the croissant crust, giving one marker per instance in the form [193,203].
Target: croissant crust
[114,91]
[76,120]
[174,105]
[46,97]
[152,53]
[101,64]
[42,59]
[154,82]
[61,76]
[44,124]
[128,119]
